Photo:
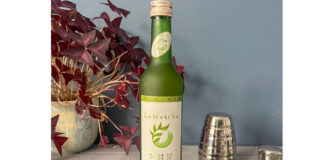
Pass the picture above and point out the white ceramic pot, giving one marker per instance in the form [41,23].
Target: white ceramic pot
[81,133]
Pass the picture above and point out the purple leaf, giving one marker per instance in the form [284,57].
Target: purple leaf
[114,45]
[61,31]
[147,61]
[124,34]
[124,12]
[134,87]
[107,32]
[81,79]
[125,128]
[137,95]
[89,22]
[180,69]
[74,52]
[126,102]
[119,11]
[55,9]
[112,27]
[63,46]
[61,66]
[103,141]
[117,135]
[56,1]
[137,141]
[140,71]
[79,22]
[69,15]
[116,22]
[99,35]
[124,142]
[119,89]
[133,130]
[130,50]
[55,37]
[53,125]
[79,54]
[67,77]
[55,74]
[97,67]
[95,112]
[122,88]
[130,130]
[76,38]
[106,18]
[131,79]
[55,6]
[99,48]
[141,53]
[134,40]
[118,101]
[54,48]
[55,136]
[83,97]
[59,141]
[67,4]
[80,107]
[89,37]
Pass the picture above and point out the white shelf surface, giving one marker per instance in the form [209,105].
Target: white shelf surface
[190,152]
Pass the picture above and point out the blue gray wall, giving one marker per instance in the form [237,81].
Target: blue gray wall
[232,53]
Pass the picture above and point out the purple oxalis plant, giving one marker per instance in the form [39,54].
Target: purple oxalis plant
[88,61]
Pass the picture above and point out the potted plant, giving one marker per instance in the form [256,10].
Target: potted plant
[87,62]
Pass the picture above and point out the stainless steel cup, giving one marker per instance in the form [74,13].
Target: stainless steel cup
[203,157]
[218,138]
[267,152]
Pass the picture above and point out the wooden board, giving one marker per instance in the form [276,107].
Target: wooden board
[190,152]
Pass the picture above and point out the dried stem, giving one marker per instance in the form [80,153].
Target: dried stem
[100,132]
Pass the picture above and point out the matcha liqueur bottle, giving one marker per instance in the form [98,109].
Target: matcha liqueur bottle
[161,92]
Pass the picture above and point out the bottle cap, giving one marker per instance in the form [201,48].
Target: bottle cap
[161,8]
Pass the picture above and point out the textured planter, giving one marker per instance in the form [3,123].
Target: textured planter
[81,133]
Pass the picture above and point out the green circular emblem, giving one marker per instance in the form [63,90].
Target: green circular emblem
[161,44]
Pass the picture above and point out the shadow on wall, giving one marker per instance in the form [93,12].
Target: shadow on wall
[119,117]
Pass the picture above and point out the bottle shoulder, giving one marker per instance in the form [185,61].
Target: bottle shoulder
[161,80]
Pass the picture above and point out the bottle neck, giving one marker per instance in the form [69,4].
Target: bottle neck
[161,49]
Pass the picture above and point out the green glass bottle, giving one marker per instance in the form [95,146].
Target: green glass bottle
[161,90]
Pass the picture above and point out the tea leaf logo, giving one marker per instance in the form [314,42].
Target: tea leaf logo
[156,136]
[162,44]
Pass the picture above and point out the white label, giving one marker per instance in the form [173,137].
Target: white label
[161,130]
[161,44]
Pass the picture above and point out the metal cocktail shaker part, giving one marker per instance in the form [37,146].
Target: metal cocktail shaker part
[218,138]
[203,157]
[218,141]
[268,152]
[218,120]
[217,151]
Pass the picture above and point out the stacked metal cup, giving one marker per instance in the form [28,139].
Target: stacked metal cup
[267,152]
[218,138]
